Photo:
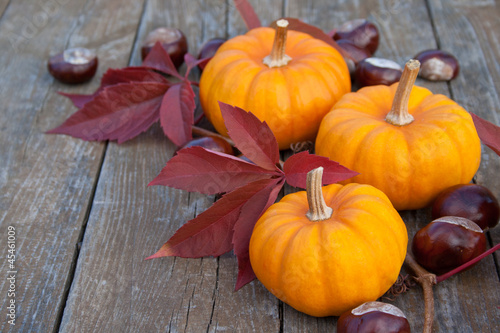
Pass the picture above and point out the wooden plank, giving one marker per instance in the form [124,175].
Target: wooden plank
[47,181]
[471,31]
[114,288]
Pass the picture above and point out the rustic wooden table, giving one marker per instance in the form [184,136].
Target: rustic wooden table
[85,220]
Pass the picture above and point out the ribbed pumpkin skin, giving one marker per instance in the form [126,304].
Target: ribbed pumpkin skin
[326,267]
[411,164]
[292,99]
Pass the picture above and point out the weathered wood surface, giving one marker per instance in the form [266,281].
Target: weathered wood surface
[57,190]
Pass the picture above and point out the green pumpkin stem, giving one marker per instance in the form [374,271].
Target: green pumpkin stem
[399,115]
[278,58]
[318,210]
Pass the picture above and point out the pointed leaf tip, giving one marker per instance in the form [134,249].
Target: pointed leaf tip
[297,166]
[205,171]
[251,136]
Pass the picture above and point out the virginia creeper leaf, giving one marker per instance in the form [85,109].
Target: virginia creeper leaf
[192,62]
[298,25]
[247,14]
[250,213]
[159,59]
[211,232]
[177,113]
[115,76]
[251,136]
[205,171]
[488,133]
[297,166]
[120,112]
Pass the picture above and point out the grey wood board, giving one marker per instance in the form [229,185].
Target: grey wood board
[47,181]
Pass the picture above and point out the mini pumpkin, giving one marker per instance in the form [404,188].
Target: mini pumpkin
[329,249]
[422,145]
[290,83]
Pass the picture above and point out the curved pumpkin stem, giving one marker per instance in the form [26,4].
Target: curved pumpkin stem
[278,58]
[318,210]
[399,115]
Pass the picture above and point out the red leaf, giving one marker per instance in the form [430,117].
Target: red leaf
[211,232]
[159,59]
[130,74]
[118,112]
[115,76]
[247,14]
[177,113]
[205,171]
[488,133]
[298,25]
[251,136]
[243,228]
[79,100]
[297,166]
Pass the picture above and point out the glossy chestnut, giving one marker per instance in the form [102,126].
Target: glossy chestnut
[209,49]
[364,34]
[437,65]
[353,54]
[373,317]
[474,202]
[210,143]
[75,65]
[172,40]
[447,242]
[373,71]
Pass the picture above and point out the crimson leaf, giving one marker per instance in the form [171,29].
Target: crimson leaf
[159,59]
[251,136]
[115,76]
[205,171]
[118,112]
[488,133]
[247,14]
[177,113]
[211,232]
[250,213]
[297,166]
[298,25]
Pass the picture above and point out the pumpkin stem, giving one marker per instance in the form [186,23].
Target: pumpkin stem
[278,58]
[318,210]
[399,115]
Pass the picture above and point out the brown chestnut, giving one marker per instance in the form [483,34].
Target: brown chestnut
[373,317]
[75,65]
[437,65]
[172,40]
[364,34]
[474,202]
[354,54]
[210,143]
[448,242]
[373,71]
[209,49]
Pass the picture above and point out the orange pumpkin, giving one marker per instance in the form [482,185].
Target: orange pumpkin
[290,84]
[344,248]
[423,145]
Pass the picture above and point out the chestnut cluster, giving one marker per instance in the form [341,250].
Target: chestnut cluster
[359,40]
[456,236]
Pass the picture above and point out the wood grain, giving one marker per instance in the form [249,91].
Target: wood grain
[46,182]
